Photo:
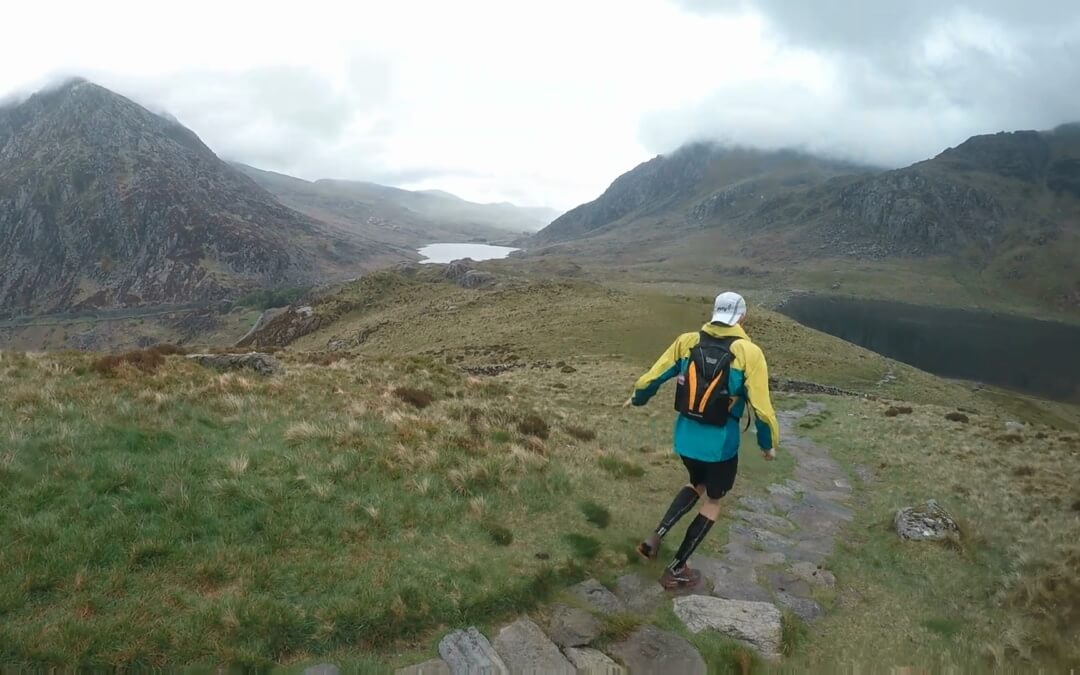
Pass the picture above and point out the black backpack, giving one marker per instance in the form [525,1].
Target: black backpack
[702,393]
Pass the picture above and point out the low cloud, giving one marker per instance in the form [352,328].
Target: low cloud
[892,82]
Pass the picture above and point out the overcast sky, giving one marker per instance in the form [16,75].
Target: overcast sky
[545,103]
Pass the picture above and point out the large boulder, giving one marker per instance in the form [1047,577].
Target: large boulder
[263,364]
[756,624]
[925,522]
[649,650]
[467,652]
[525,649]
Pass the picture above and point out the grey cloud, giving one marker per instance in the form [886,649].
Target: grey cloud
[912,78]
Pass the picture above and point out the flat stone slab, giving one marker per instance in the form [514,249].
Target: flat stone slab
[813,574]
[765,520]
[525,649]
[432,667]
[649,651]
[777,489]
[756,624]
[641,595]
[767,538]
[810,518]
[468,652]
[597,596]
[786,582]
[740,553]
[592,662]
[756,504]
[735,582]
[572,627]
[804,608]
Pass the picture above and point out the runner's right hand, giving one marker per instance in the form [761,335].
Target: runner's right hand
[769,454]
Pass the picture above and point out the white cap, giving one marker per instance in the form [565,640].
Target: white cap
[728,309]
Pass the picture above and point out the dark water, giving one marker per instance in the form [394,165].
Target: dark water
[1027,355]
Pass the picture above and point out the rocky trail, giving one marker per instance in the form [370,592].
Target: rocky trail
[772,562]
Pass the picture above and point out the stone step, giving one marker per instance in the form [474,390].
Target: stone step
[641,595]
[468,652]
[651,651]
[432,667]
[572,627]
[592,662]
[756,624]
[526,650]
[597,597]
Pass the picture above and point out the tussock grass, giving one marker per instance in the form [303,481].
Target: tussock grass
[580,433]
[418,398]
[143,360]
[620,468]
[534,425]
[596,514]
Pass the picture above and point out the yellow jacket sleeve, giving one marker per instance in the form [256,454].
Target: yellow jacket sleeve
[665,368]
[756,371]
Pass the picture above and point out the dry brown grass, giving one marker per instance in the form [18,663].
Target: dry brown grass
[418,398]
[143,360]
[580,433]
[534,425]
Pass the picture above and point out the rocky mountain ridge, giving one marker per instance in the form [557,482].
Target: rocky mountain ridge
[1006,206]
[106,204]
[401,217]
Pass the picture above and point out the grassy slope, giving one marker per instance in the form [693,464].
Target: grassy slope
[187,517]
[1007,592]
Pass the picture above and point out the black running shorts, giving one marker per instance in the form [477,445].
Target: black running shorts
[717,477]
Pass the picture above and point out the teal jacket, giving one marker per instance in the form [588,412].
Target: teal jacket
[749,383]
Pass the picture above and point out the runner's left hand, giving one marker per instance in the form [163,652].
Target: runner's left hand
[769,454]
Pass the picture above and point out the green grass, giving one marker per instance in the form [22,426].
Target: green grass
[596,514]
[188,517]
[1001,594]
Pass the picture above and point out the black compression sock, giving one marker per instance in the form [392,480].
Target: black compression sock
[683,502]
[694,534]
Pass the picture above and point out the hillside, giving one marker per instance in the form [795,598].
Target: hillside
[999,210]
[402,217]
[105,204]
[432,457]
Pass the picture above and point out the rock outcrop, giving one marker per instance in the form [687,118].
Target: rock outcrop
[263,364]
[925,522]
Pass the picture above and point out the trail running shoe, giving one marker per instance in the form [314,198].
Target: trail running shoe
[648,548]
[684,577]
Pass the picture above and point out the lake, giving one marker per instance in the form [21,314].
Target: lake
[1028,355]
[444,253]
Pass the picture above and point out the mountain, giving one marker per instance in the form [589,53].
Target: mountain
[1003,208]
[106,204]
[698,183]
[403,217]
